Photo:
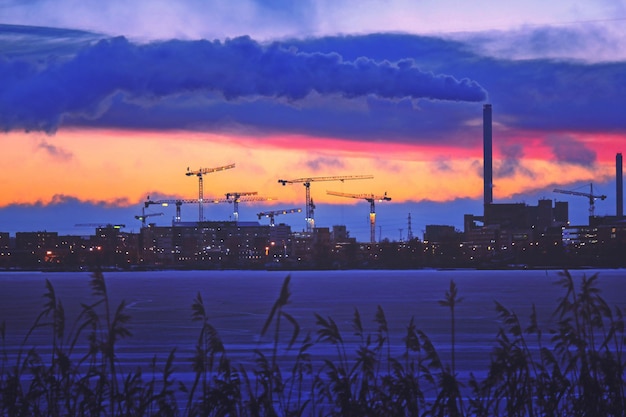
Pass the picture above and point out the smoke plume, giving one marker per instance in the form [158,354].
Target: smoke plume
[36,95]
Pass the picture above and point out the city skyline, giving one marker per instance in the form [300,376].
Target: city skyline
[101,108]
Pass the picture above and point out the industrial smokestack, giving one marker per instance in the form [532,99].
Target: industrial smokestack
[619,182]
[487,155]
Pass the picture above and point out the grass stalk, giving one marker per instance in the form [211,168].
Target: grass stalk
[579,371]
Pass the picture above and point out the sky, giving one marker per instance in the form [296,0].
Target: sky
[103,104]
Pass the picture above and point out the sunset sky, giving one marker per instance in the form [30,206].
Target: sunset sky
[105,103]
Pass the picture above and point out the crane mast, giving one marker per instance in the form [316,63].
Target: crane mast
[310,207]
[370,198]
[178,203]
[200,173]
[165,203]
[235,198]
[144,216]
[592,198]
[243,197]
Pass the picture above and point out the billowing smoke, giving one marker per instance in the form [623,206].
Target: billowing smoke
[36,95]
[511,162]
[568,150]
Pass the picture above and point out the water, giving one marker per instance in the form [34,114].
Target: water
[238,303]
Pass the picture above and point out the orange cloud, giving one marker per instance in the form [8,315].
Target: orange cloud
[127,166]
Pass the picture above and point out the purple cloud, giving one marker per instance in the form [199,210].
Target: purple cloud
[55,151]
[570,151]
[511,162]
[318,164]
[396,94]
[36,98]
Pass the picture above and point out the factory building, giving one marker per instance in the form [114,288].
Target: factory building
[517,232]
[511,232]
[5,252]
[214,244]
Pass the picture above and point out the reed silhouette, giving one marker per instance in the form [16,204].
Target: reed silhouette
[575,367]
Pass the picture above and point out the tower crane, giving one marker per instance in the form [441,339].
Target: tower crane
[179,202]
[370,198]
[272,214]
[592,198]
[166,203]
[310,207]
[144,216]
[200,173]
[239,197]
[101,225]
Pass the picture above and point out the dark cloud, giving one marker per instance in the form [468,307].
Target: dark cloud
[361,119]
[55,151]
[32,98]
[538,94]
[63,199]
[60,199]
[442,165]
[510,164]
[585,41]
[67,211]
[41,44]
[568,150]
[383,87]
[557,96]
[318,164]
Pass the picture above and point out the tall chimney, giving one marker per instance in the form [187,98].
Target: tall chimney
[487,156]
[619,182]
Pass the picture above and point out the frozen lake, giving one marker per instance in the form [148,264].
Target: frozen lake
[239,302]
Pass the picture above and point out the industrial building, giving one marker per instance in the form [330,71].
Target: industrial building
[519,233]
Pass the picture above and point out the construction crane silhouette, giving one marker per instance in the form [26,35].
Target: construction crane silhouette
[179,202]
[165,203]
[310,207]
[243,197]
[272,214]
[101,225]
[370,198]
[592,198]
[200,173]
[144,216]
